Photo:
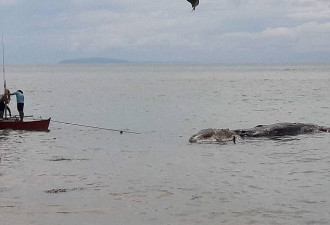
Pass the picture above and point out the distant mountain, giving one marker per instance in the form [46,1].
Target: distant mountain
[92,61]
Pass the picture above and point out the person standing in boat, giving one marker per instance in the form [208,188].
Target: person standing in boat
[4,100]
[20,103]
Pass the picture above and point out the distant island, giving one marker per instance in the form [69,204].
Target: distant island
[92,61]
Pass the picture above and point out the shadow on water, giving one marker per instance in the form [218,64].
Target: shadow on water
[283,139]
[278,139]
[59,158]
[4,134]
[63,190]
[15,147]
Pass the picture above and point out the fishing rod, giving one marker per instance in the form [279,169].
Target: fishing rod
[4,75]
[3,64]
[94,127]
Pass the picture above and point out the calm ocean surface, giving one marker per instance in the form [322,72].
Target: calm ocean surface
[84,176]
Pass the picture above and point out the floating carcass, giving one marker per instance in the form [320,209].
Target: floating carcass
[277,129]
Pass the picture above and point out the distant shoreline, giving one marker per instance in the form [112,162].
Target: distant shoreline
[97,61]
[92,61]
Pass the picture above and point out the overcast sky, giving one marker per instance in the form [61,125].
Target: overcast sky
[225,31]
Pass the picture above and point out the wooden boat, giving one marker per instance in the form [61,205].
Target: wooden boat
[14,123]
[30,125]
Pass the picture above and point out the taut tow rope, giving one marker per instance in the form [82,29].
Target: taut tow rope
[94,127]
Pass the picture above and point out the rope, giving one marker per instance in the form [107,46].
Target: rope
[94,127]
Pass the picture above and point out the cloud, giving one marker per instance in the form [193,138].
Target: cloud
[281,42]
[7,2]
[321,14]
[308,9]
[146,30]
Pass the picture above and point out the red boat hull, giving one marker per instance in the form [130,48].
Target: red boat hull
[33,125]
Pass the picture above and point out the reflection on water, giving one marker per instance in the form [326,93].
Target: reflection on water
[75,175]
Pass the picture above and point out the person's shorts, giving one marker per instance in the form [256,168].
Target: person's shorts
[20,106]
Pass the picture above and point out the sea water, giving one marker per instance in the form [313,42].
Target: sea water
[81,175]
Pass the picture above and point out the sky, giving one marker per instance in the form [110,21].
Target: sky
[218,31]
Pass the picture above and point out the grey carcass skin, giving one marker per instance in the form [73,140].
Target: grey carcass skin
[277,129]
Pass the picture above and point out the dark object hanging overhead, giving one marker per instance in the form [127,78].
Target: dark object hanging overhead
[194,3]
